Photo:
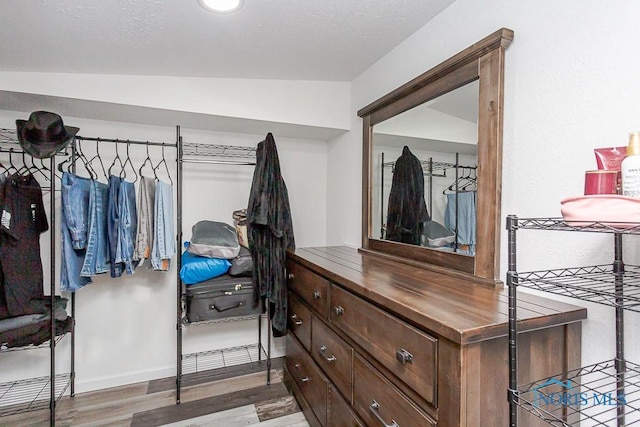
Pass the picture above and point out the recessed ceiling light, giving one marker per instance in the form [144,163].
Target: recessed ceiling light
[221,6]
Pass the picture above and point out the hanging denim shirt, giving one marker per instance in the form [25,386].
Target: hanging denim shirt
[73,230]
[75,190]
[164,242]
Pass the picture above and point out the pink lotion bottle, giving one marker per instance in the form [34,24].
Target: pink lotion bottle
[630,167]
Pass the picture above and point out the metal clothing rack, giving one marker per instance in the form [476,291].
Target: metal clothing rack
[31,394]
[430,168]
[189,152]
[610,388]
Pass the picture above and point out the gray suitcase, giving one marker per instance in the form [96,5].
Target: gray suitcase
[221,297]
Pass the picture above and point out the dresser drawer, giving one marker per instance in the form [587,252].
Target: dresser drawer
[340,414]
[379,403]
[409,353]
[333,355]
[310,287]
[312,383]
[299,321]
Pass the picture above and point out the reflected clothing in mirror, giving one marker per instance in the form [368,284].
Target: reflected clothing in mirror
[407,210]
[466,214]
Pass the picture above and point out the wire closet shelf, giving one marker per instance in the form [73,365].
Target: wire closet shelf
[601,394]
[193,152]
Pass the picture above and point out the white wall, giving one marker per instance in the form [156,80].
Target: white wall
[125,329]
[571,85]
[314,103]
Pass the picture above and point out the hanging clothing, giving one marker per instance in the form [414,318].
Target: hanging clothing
[96,259]
[113,225]
[122,222]
[22,220]
[466,223]
[164,238]
[407,210]
[146,209]
[128,225]
[270,232]
[73,230]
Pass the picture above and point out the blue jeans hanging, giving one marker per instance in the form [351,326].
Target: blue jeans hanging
[96,260]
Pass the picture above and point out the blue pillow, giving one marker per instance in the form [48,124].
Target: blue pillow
[196,269]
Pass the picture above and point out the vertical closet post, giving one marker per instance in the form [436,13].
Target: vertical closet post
[430,172]
[512,283]
[382,197]
[52,289]
[179,265]
[620,364]
[73,294]
[456,228]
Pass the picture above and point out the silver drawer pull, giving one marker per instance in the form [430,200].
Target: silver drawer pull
[338,310]
[317,295]
[295,319]
[303,379]
[404,356]
[291,276]
[329,359]
[374,407]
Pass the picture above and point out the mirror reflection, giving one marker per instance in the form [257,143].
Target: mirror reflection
[424,174]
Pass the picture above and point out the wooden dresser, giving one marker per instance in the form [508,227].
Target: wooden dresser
[373,342]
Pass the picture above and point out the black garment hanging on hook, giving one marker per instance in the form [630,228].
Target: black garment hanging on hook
[407,210]
[270,232]
[22,220]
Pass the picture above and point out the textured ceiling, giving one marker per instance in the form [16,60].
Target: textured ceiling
[273,39]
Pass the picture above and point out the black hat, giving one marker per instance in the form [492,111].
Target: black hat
[44,134]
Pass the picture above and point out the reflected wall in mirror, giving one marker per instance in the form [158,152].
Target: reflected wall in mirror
[450,121]
[424,174]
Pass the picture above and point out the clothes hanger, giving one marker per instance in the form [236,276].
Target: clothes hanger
[128,161]
[24,168]
[97,156]
[471,181]
[85,162]
[463,182]
[12,170]
[164,160]
[148,159]
[117,158]
[35,168]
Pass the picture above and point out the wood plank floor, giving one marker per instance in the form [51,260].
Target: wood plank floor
[237,396]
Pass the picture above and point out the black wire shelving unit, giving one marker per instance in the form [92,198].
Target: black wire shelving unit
[209,360]
[601,394]
[31,394]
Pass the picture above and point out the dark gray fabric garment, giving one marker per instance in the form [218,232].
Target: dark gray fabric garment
[270,232]
[23,220]
[407,211]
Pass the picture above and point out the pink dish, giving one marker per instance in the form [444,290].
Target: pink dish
[610,209]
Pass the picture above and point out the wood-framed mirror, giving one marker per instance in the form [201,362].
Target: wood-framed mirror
[449,120]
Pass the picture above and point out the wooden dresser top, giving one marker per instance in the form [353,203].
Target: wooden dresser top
[459,310]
